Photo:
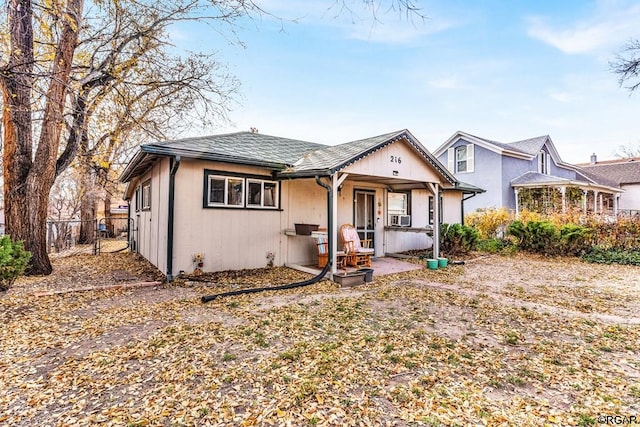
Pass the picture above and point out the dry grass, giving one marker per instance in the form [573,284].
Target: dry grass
[498,341]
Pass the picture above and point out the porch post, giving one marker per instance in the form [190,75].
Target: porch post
[516,191]
[435,189]
[563,192]
[336,182]
[616,199]
[595,202]
[584,202]
[333,233]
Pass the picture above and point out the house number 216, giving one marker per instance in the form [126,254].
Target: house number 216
[396,159]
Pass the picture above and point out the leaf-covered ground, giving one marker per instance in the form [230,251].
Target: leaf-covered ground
[497,341]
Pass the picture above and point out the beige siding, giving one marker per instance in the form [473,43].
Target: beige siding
[397,160]
[229,238]
[151,226]
[305,202]
[451,207]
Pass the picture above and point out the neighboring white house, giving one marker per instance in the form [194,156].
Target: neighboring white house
[508,171]
[236,198]
[623,173]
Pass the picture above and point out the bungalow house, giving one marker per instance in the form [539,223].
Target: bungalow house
[524,174]
[623,173]
[235,198]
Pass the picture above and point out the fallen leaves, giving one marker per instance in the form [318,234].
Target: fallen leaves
[483,344]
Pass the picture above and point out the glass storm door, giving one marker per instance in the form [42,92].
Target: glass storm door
[364,214]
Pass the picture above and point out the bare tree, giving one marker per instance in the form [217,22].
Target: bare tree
[59,68]
[627,151]
[627,65]
[48,74]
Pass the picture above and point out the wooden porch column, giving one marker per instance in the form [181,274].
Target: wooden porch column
[584,202]
[435,189]
[516,192]
[563,192]
[595,202]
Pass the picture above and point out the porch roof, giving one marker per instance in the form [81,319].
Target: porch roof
[331,159]
[536,179]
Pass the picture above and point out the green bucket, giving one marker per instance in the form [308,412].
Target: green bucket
[432,264]
[442,262]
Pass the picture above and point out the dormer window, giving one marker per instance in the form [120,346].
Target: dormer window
[543,162]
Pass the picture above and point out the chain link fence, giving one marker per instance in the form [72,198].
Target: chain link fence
[68,237]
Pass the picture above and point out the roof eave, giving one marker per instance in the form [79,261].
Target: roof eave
[147,151]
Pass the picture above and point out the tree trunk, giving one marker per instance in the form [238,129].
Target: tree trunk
[87,204]
[27,182]
[107,213]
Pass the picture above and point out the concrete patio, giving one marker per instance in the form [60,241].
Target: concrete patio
[381,266]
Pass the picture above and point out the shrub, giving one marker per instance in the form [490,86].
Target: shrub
[456,239]
[13,261]
[601,255]
[574,239]
[535,236]
[490,223]
[545,238]
[494,246]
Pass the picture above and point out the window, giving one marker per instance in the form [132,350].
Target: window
[225,191]
[146,196]
[236,191]
[262,194]
[431,210]
[543,162]
[460,158]
[398,203]
[136,200]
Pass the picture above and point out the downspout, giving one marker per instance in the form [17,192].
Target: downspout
[308,282]
[170,214]
[464,199]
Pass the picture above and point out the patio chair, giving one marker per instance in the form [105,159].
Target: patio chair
[322,243]
[358,251]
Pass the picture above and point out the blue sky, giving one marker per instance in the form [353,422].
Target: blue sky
[503,70]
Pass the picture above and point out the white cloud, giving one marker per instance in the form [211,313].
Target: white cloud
[608,27]
[449,82]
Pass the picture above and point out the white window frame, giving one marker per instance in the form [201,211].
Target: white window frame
[454,160]
[226,180]
[261,204]
[543,163]
[404,210]
[146,195]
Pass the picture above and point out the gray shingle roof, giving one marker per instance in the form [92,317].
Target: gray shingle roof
[537,178]
[242,145]
[529,146]
[288,156]
[626,171]
[336,155]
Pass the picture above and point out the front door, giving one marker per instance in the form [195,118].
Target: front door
[364,214]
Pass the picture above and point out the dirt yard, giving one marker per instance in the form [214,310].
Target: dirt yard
[497,341]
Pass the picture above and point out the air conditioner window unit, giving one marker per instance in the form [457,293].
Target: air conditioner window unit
[401,220]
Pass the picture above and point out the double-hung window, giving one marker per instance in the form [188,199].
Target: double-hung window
[262,194]
[225,191]
[146,196]
[543,162]
[460,158]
